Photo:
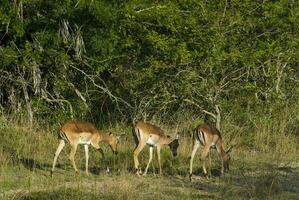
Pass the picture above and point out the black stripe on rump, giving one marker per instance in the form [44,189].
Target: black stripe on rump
[203,137]
[199,137]
[63,136]
[195,137]
[138,134]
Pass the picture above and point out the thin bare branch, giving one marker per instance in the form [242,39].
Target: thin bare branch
[79,94]
[104,89]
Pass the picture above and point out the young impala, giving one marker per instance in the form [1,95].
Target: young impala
[85,133]
[209,136]
[148,134]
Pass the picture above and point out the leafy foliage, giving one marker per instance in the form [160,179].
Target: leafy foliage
[116,60]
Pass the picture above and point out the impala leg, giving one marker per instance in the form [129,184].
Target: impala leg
[210,164]
[204,154]
[72,157]
[221,158]
[222,167]
[159,159]
[149,160]
[97,147]
[194,149]
[137,150]
[59,149]
[86,158]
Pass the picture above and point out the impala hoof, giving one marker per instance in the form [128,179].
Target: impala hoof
[107,170]
[138,171]
[206,176]
[190,177]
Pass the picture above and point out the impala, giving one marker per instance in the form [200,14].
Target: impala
[209,136]
[75,133]
[148,134]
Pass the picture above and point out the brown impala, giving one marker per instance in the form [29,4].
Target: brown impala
[209,136]
[148,134]
[84,133]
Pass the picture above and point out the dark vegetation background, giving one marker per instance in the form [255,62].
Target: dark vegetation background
[231,63]
[109,61]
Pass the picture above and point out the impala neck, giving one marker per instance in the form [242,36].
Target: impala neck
[167,140]
[105,137]
[221,151]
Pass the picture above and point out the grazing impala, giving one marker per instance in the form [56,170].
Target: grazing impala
[209,136]
[145,133]
[84,133]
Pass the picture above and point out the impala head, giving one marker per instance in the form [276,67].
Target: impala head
[113,142]
[174,145]
[226,159]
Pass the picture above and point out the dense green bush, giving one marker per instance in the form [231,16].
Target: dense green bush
[114,60]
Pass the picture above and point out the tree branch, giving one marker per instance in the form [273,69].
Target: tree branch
[104,89]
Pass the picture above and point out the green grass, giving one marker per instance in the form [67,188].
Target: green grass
[266,169]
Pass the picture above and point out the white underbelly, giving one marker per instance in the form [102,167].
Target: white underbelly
[83,141]
[150,142]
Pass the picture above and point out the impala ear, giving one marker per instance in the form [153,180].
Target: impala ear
[176,132]
[110,133]
[229,149]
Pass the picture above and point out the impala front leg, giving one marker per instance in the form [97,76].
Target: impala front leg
[221,155]
[97,147]
[72,157]
[101,152]
[149,160]
[159,159]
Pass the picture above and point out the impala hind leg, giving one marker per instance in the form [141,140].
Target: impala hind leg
[149,160]
[194,149]
[204,155]
[137,150]
[59,149]
[72,157]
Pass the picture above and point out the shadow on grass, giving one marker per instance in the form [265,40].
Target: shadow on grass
[268,184]
[97,170]
[32,164]
[71,194]
[58,194]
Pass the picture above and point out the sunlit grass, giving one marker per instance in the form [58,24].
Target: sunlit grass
[267,168]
